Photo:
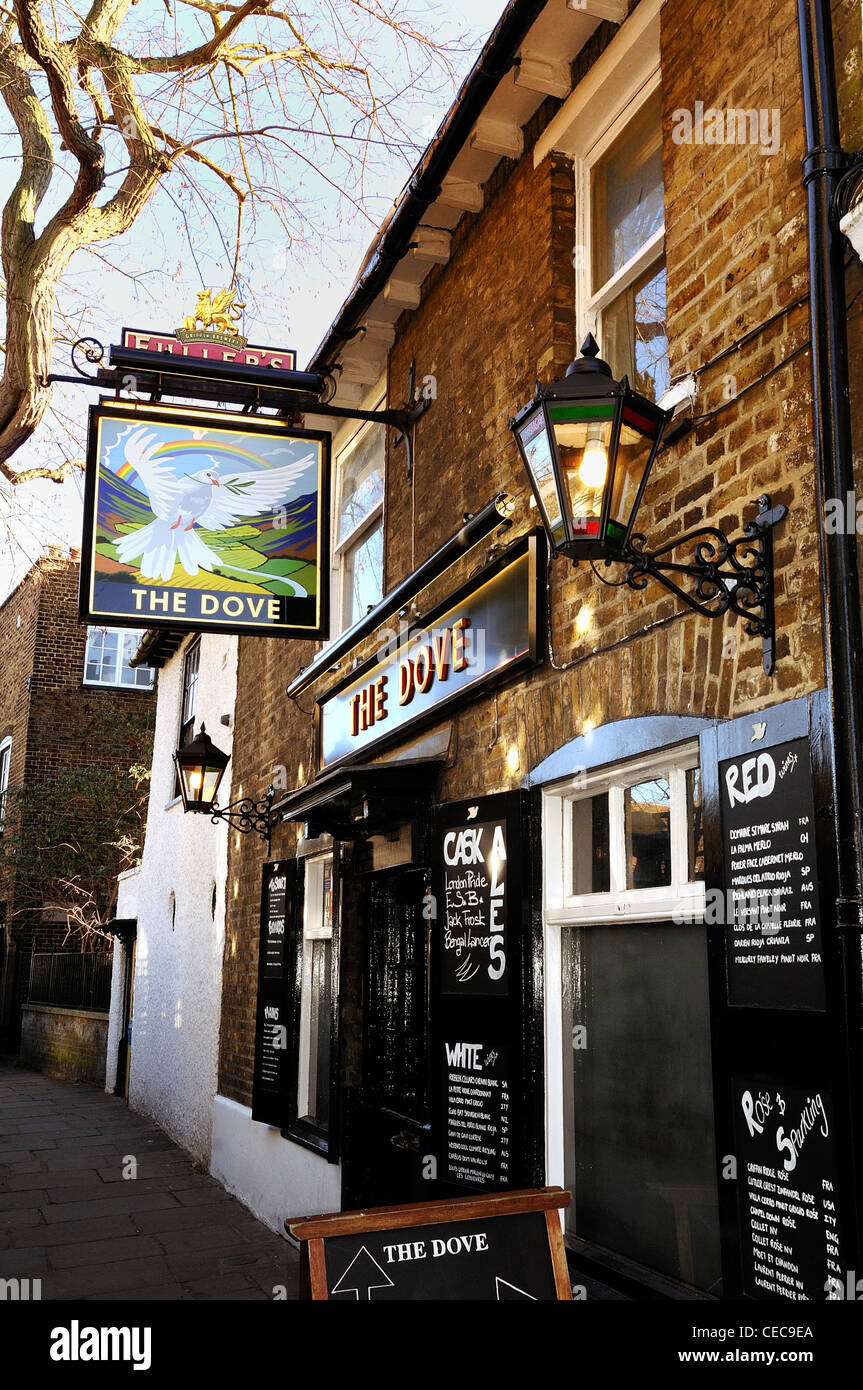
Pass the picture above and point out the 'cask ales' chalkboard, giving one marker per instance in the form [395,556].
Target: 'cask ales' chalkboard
[773,927]
[478,1101]
[496,1248]
[474,907]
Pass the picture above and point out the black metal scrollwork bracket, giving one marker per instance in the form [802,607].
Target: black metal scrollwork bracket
[249,815]
[725,575]
[94,353]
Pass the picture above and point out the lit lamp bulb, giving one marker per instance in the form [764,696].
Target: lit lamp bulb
[593,469]
[196,781]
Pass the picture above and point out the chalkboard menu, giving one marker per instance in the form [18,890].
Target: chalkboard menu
[478,1103]
[477,1115]
[498,1248]
[787,1190]
[277,894]
[770,899]
[273,942]
[475,907]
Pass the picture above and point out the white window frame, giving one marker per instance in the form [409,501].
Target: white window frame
[364,528]
[191,646]
[314,929]
[117,684]
[5,768]
[683,897]
[589,304]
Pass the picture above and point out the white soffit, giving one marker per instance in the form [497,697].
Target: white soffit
[627,64]
[555,39]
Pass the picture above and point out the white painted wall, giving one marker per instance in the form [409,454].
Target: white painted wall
[178,969]
[272,1176]
[127,906]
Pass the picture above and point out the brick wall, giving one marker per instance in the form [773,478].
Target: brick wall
[498,316]
[69,1043]
[55,720]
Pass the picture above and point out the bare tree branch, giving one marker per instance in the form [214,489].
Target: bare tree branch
[239,77]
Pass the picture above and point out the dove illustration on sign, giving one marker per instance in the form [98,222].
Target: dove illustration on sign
[210,500]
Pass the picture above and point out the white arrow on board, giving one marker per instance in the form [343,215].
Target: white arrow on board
[365,1276]
[513,1292]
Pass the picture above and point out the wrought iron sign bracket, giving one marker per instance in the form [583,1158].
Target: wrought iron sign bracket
[726,575]
[249,815]
[94,352]
[402,419]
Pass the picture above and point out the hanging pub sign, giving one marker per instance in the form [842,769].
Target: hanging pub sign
[486,631]
[197,520]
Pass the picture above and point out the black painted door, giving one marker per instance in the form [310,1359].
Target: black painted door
[385,1140]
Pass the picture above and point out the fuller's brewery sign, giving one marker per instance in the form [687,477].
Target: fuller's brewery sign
[216,340]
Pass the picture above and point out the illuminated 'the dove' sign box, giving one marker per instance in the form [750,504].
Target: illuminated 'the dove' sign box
[202,521]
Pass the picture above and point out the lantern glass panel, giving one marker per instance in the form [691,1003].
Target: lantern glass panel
[212,778]
[192,779]
[637,437]
[200,782]
[536,449]
[583,435]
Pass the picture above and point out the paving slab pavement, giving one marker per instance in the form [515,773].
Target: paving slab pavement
[70,1217]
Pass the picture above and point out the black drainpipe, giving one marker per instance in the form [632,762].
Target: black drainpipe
[823,165]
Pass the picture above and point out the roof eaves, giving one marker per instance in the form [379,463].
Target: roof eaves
[423,187]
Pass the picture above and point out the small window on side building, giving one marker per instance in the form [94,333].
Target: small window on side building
[109,651]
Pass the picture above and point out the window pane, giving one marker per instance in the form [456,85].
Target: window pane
[5,758]
[139,676]
[695,822]
[638,1123]
[363,577]
[628,206]
[590,871]
[648,834]
[313,1095]
[319,1036]
[634,335]
[110,657]
[190,683]
[362,480]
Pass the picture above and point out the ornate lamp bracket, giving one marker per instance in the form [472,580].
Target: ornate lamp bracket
[721,575]
[249,815]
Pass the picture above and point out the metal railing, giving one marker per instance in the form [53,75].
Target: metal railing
[70,980]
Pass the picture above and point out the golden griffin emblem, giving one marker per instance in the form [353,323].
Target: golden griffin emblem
[219,315]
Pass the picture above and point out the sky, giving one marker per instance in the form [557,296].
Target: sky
[292,283]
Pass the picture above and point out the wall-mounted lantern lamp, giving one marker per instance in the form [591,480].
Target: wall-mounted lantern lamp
[588,444]
[200,766]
